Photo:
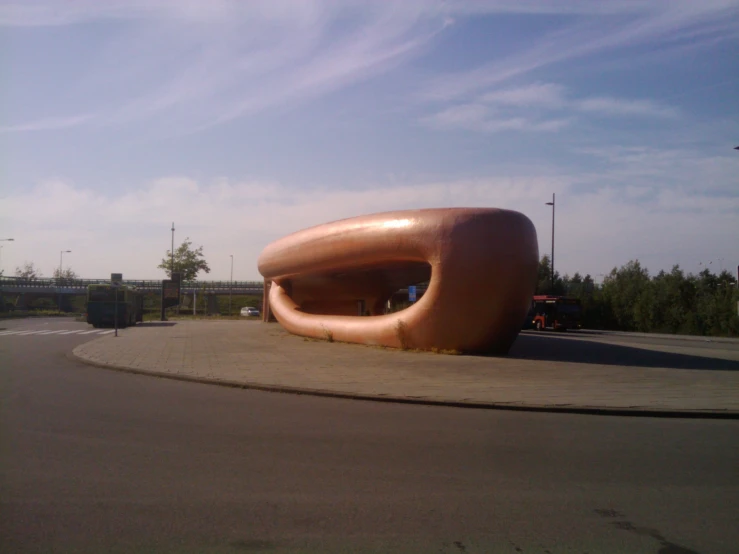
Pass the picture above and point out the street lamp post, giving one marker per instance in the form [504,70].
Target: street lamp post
[552,260]
[231,285]
[61,254]
[1,251]
[171,252]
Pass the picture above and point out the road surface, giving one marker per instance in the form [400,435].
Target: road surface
[95,460]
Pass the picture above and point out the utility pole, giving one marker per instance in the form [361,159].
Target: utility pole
[171,268]
[552,260]
[231,285]
[1,250]
[61,253]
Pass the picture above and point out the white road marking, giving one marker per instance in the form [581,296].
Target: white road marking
[27,332]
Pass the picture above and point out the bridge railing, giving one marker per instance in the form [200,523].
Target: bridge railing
[19,282]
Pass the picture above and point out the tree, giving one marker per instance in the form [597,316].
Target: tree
[68,274]
[187,261]
[544,279]
[629,295]
[27,271]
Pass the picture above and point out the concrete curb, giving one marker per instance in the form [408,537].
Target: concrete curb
[687,338]
[560,408]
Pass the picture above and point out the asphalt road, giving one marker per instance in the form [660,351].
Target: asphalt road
[99,461]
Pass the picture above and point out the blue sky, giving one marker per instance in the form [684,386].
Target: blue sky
[245,121]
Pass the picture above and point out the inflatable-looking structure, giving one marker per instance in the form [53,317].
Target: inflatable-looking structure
[333,281]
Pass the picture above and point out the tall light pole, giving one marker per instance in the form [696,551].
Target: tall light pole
[231,286]
[1,251]
[552,260]
[171,266]
[61,254]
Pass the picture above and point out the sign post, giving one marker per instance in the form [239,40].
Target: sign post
[412,293]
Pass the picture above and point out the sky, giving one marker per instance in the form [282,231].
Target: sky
[242,122]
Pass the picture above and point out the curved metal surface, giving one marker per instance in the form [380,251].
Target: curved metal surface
[481,263]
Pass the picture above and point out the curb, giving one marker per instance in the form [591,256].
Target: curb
[559,409]
[687,338]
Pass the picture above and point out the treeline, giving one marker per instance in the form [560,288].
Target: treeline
[630,299]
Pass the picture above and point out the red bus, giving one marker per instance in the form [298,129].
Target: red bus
[555,312]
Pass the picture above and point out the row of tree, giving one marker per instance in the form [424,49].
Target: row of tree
[630,299]
[187,261]
[29,271]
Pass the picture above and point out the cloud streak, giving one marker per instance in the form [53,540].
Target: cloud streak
[597,30]
[190,65]
[47,124]
[511,109]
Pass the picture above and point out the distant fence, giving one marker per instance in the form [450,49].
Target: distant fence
[78,286]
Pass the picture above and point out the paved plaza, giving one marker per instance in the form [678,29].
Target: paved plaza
[570,372]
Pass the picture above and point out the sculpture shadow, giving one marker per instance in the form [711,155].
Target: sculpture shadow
[573,350]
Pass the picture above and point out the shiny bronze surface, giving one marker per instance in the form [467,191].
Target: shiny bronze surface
[333,281]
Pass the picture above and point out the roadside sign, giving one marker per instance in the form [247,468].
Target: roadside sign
[116,278]
[412,293]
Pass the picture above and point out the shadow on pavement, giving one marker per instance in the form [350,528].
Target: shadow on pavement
[552,349]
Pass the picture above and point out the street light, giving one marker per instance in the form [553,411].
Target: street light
[552,260]
[231,286]
[61,254]
[1,251]
[171,267]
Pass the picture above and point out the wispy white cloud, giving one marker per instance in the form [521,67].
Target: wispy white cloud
[625,107]
[601,27]
[200,63]
[477,117]
[193,64]
[537,107]
[47,124]
[548,95]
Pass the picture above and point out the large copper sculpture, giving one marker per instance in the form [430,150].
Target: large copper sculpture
[333,281]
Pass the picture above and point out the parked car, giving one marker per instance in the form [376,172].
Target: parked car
[249,312]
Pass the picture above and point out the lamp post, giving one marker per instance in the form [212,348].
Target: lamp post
[171,265]
[1,250]
[231,285]
[552,260]
[61,254]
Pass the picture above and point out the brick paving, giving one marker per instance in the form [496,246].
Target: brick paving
[543,371]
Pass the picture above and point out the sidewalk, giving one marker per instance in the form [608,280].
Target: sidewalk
[544,371]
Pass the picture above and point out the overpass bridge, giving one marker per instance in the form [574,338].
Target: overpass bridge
[17,285]
[24,291]
[20,293]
